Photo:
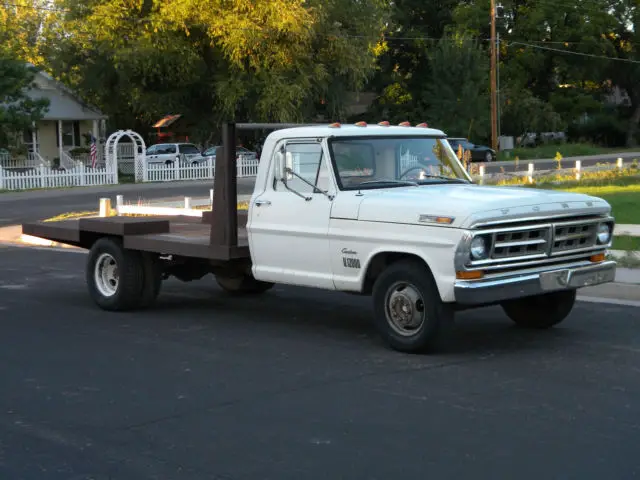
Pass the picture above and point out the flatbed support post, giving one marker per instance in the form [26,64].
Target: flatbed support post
[224,215]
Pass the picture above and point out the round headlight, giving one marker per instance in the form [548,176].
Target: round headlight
[478,248]
[604,233]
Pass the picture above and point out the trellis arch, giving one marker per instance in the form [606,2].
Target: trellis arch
[139,153]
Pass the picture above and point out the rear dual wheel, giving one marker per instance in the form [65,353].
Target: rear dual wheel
[120,279]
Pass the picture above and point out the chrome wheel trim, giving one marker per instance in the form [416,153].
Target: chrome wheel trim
[405,309]
[106,275]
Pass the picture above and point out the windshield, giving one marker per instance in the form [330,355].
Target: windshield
[383,162]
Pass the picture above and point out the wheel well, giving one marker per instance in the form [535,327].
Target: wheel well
[381,261]
[87,239]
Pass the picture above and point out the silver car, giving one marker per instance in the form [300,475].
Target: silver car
[168,153]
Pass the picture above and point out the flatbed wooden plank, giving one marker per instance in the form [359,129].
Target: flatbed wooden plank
[184,236]
[64,231]
[189,240]
[121,226]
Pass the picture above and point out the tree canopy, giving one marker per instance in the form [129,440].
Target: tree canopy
[560,63]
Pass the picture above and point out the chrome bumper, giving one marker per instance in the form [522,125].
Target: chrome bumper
[494,290]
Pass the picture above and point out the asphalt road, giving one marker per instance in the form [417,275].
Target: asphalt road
[19,207]
[296,385]
[568,162]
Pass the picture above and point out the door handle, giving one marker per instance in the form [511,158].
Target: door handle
[262,202]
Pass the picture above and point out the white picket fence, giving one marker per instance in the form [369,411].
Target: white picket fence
[44,177]
[201,171]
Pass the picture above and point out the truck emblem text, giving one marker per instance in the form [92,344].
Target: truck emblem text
[351,262]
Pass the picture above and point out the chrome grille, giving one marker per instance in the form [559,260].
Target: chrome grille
[536,242]
[520,243]
[570,237]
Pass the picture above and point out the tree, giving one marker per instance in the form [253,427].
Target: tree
[457,88]
[17,110]
[212,60]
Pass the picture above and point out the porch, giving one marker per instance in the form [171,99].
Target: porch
[63,137]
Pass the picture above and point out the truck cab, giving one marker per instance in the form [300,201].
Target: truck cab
[390,211]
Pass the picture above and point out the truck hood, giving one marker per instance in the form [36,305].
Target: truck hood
[467,204]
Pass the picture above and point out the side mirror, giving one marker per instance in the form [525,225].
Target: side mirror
[279,166]
[289,165]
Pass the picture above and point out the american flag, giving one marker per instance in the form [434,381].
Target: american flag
[94,151]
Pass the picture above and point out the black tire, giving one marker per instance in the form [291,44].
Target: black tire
[152,274]
[541,311]
[243,285]
[128,287]
[436,318]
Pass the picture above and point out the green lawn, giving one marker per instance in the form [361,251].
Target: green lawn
[566,150]
[624,200]
[626,243]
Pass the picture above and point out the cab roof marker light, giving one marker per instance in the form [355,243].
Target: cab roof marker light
[384,124]
[361,124]
[423,125]
[404,124]
[335,125]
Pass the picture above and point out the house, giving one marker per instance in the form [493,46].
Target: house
[67,124]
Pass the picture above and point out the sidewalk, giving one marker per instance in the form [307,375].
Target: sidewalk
[626,230]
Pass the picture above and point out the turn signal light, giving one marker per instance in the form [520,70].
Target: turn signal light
[473,275]
[599,257]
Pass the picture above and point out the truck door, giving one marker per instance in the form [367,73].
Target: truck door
[289,221]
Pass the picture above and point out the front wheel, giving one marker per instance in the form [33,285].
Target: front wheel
[408,311]
[541,311]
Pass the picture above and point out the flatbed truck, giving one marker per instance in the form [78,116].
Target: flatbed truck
[381,210]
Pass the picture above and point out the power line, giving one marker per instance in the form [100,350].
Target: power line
[569,52]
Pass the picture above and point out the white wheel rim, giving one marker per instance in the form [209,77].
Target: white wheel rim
[106,275]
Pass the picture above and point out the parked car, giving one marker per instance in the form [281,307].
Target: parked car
[241,151]
[479,153]
[168,153]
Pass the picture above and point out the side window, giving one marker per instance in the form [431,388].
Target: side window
[152,150]
[309,167]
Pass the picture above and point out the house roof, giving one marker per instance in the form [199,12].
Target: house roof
[166,121]
[63,103]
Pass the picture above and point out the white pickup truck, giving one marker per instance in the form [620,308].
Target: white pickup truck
[380,210]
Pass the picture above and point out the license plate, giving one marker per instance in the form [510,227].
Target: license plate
[563,279]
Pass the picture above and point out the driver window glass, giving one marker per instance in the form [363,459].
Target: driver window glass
[308,162]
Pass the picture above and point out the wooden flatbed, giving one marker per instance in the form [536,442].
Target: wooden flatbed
[220,235]
[129,257]
[182,236]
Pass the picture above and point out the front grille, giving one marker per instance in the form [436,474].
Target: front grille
[570,237]
[539,242]
[520,243]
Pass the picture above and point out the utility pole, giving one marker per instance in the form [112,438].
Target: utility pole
[494,80]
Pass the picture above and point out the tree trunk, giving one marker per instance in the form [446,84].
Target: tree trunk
[633,126]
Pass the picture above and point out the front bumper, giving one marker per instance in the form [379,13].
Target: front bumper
[494,290]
